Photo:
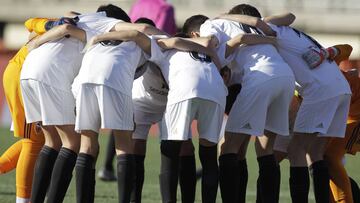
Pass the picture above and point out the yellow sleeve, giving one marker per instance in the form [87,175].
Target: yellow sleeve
[36,24]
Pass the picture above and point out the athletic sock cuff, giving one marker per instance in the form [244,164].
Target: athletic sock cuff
[267,161]
[85,160]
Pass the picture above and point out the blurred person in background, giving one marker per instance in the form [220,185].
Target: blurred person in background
[159,11]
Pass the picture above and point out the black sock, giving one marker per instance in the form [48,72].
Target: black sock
[258,191]
[243,173]
[169,170]
[126,176]
[61,175]
[210,176]
[229,178]
[320,174]
[92,187]
[42,173]
[187,178]
[269,178]
[110,153]
[355,190]
[299,184]
[139,178]
[85,178]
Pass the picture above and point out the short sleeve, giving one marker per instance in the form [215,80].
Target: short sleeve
[221,51]
[157,55]
[210,29]
[96,24]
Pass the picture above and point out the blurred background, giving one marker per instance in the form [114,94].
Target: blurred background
[329,21]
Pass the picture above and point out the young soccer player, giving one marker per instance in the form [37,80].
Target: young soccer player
[256,108]
[104,101]
[317,88]
[22,155]
[46,86]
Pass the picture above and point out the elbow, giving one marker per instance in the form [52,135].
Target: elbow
[66,29]
[144,28]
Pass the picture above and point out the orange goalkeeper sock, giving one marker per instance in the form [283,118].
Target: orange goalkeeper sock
[26,163]
[10,157]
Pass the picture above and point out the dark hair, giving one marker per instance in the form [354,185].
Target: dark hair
[114,12]
[146,21]
[182,35]
[245,9]
[193,24]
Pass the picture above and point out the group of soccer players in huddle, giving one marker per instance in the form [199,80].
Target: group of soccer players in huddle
[85,72]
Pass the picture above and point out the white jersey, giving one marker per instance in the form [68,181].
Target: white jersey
[150,91]
[56,63]
[325,81]
[112,65]
[259,63]
[189,75]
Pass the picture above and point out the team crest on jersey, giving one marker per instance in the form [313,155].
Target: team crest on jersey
[111,42]
[200,57]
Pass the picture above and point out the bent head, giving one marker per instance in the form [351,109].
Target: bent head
[114,12]
[245,9]
[192,25]
[145,21]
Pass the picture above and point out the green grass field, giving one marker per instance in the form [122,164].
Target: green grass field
[107,192]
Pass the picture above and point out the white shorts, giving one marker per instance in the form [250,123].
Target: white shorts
[176,124]
[99,106]
[143,122]
[45,103]
[328,117]
[263,107]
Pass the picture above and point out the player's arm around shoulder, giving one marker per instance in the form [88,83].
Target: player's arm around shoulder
[247,39]
[284,19]
[142,40]
[183,44]
[141,27]
[58,32]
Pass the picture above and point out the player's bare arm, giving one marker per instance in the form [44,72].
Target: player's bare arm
[139,38]
[58,32]
[208,42]
[250,20]
[285,19]
[247,39]
[141,27]
[187,45]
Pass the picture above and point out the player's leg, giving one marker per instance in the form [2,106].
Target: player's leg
[319,169]
[106,173]
[269,169]
[139,150]
[88,122]
[65,163]
[85,166]
[125,163]
[335,126]
[228,160]
[31,147]
[210,118]
[299,180]
[237,132]
[339,181]
[9,158]
[175,129]
[45,163]
[243,170]
[187,172]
